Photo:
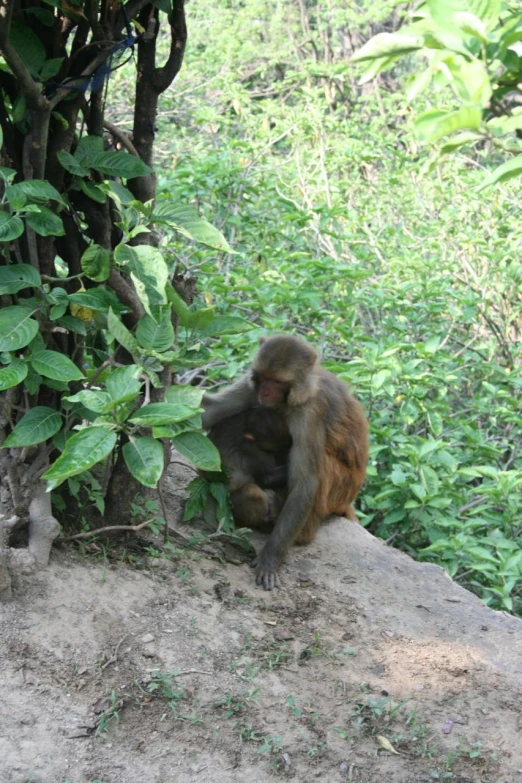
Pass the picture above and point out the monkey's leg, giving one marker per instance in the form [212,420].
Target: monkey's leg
[254,507]
[337,488]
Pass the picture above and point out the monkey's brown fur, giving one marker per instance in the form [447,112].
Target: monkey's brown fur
[329,452]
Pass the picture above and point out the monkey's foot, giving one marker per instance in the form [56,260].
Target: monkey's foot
[266,573]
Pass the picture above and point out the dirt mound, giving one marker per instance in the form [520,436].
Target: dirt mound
[365,666]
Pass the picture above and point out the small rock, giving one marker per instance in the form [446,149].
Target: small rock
[147,639]
[343,768]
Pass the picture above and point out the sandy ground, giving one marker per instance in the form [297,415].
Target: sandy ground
[365,666]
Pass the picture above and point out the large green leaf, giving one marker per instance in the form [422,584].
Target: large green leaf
[34,190]
[186,220]
[28,47]
[511,168]
[45,223]
[120,164]
[72,324]
[82,451]
[38,424]
[10,227]
[13,374]
[388,44]
[95,263]
[190,396]
[447,12]
[17,328]
[154,335]
[51,364]
[432,125]
[144,459]
[226,324]
[93,191]
[89,149]
[96,299]
[171,430]
[197,448]
[147,267]
[16,277]
[71,164]
[159,413]
[121,333]
[123,384]
[93,399]
[179,305]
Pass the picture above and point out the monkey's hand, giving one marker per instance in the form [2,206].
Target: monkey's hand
[266,570]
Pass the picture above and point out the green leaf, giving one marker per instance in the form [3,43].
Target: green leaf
[226,324]
[388,44]
[95,263]
[6,175]
[28,47]
[51,364]
[199,490]
[511,168]
[122,194]
[89,149]
[10,227]
[34,190]
[197,448]
[190,396]
[146,265]
[379,379]
[72,324]
[432,125]
[71,164]
[82,451]
[419,490]
[96,299]
[144,459]
[153,335]
[171,430]
[17,328]
[179,306]
[93,399]
[430,480]
[160,413]
[121,333]
[45,223]
[13,374]
[471,24]
[36,426]
[123,384]
[120,164]
[93,191]
[446,12]
[466,137]
[51,67]
[187,221]
[16,277]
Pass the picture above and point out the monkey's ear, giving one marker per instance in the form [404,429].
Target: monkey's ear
[262,340]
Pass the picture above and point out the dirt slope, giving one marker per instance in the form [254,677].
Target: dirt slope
[365,666]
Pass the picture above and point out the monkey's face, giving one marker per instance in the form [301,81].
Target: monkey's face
[271,392]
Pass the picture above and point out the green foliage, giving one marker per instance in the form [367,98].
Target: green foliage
[402,273]
[473,58]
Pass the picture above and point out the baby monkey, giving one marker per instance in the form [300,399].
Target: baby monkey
[254,446]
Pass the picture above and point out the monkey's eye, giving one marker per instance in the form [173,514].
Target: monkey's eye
[255,376]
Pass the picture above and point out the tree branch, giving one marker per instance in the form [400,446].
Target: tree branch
[126,294]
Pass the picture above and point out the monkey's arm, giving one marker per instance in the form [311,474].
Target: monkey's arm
[234,399]
[308,444]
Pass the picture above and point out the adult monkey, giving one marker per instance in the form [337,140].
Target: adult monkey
[329,452]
